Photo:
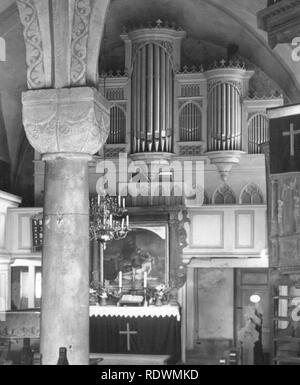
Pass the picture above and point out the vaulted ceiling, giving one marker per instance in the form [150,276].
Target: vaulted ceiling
[211,25]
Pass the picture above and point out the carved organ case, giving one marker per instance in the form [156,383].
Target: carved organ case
[160,107]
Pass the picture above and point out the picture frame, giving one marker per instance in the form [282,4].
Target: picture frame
[145,249]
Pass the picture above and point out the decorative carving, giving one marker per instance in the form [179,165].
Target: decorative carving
[166,45]
[114,93]
[191,69]
[214,82]
[182,103]
[36,78]
[232,63]
[111,151]
[80,34]
[20,332]
[224,195]
[66,120]
[285,221]
[279,20]
[195,149]
[190,90]
[224,161]
[178,241]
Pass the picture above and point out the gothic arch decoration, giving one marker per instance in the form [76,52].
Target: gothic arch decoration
[224,195]
[258,132]
[117,125]
[190,122]
[251,195]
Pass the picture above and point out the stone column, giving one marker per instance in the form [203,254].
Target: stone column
[67,126]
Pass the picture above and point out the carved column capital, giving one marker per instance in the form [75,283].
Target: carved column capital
[69,120]
[62,40]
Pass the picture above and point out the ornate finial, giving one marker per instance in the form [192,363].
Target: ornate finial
[158,23]
[223,63]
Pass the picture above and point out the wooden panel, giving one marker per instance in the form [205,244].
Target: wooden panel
[25,238]
[208,230]
[244,229]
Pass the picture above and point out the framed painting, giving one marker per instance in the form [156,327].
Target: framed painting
[145,249]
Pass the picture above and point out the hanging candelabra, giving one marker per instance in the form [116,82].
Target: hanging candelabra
[109,220]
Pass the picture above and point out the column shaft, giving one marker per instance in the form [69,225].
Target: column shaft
[65,261]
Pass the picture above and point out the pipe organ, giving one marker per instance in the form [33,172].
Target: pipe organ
[226,89]
[258,132]
[154,60]
[160,109]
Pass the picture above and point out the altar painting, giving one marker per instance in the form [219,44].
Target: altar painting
[144,250]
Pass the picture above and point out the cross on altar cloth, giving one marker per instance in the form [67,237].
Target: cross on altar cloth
[128,334]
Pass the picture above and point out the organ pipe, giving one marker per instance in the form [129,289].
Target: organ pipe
[152,99]
[224,117]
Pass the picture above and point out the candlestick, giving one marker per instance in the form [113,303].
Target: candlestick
[120,280]
[145,279]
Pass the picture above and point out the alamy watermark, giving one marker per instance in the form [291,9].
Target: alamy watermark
[150,178]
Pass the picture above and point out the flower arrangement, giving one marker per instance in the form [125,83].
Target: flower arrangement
[99,293]
[158,295]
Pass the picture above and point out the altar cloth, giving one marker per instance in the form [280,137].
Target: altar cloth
[135,311]
[153,330]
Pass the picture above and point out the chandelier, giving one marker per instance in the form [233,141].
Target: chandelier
[108,218]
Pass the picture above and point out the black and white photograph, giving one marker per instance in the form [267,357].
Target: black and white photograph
[149,185]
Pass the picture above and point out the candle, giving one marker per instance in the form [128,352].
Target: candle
[145,279]
[110,220]
[123,203]
[127,221]
[119,201]
[120,279]
[98,199]
[123,223]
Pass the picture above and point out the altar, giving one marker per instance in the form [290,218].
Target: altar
[151,330]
